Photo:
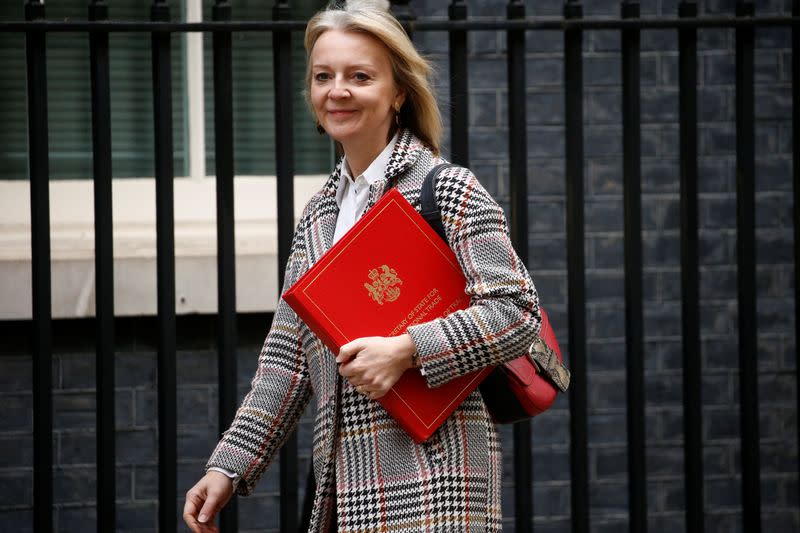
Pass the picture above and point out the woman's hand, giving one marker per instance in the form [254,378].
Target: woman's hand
[205,500]
[374,364]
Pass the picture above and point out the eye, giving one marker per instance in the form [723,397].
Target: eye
[321,77]
[361,76]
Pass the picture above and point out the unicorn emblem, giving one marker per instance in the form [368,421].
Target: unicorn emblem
[384,284]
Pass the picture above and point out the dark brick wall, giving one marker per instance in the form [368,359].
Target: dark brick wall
[136,415]
[717,357]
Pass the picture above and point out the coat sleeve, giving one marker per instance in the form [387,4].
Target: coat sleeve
[503,317]
[279,391]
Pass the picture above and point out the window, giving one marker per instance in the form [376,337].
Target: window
[69,96]
[253,89]
[70,143]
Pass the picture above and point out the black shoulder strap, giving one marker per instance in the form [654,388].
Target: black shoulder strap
[429,209]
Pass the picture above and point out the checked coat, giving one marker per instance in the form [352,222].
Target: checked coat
[378,478]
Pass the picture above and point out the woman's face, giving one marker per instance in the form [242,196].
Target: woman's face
[353,91]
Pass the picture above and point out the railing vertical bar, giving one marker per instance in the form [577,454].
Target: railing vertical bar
[634,334]
[690,291]
[165,267]
[573,86]
[403,12]
[746,269]
[104,271]
[226,241]
[796,182]
[459,97]
[517,131]
[518,183]
[36,59]
[690,280]
[284,146]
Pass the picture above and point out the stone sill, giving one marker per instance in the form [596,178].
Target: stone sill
[72,245]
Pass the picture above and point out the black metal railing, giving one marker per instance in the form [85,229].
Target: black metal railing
[634,314]
[516,25]
[576,261]
[690,279]
[226,254]
[104,270]
[36,55]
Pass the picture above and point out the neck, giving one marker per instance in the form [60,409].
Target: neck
[361,153]
[360,160]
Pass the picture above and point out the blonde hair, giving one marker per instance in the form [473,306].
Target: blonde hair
[412,73]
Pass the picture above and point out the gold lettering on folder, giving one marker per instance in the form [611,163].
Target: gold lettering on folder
[384,284]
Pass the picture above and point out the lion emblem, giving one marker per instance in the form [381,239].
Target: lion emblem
[384,284]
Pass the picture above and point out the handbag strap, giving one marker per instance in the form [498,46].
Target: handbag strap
[429,209]
[545,358]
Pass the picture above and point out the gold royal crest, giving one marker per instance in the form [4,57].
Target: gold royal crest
[384,285]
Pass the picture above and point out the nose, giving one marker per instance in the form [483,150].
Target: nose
[339,89]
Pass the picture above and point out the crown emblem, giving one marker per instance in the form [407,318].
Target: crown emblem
[383,285]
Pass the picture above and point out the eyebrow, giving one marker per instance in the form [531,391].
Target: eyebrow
[367,66]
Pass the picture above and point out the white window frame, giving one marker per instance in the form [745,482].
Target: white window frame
[195,92]
[72,230]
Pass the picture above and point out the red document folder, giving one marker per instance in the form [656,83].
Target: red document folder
[390,271]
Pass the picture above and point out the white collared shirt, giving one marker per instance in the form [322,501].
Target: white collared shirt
[353,194]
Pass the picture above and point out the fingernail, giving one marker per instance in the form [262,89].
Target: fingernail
[202,518]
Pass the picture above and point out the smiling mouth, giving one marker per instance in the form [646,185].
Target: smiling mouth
[341,112]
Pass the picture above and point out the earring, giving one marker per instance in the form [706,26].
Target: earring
[397,115]
[320,129]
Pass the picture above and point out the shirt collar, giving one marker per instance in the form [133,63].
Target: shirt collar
[375,171]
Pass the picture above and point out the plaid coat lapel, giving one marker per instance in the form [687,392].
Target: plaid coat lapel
[406,152]
[323,212]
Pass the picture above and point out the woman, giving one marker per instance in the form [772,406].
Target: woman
[368,89]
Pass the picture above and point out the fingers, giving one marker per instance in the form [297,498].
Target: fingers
[372,391]
[373,365]
[194,502]
[377,394]
[349,351]
[204,500]
[210,508]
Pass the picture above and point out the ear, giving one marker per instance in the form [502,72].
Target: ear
[399,99]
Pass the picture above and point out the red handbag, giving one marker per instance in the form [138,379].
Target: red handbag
[528,385]
[525,386]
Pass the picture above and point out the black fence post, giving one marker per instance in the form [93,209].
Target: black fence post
[226,241]
[165,267]
[104,271]
[404,13]
[576,283]
[746,269]
[796,185]
[634,334]
[42,341]
[690,277]
[459,96]
[284,146]
[518,183]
